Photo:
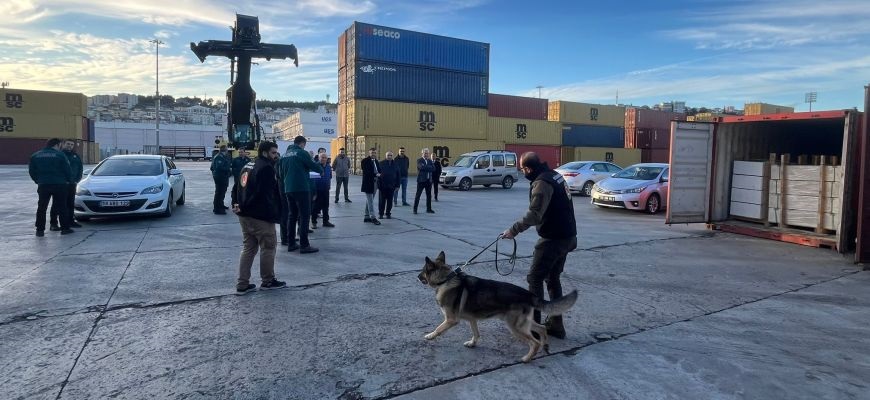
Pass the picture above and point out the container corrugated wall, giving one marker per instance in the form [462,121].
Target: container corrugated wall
[656,155]
[446,149]
[382,118]
[399,46]
[550,154]
[617,155]
[592,136]
[524,131]
[405,83]
[647,138]
[342,50]
[568,154]
[646,118]
[39,126]
[502,105]
[586,114]
[15,101]
[765,108]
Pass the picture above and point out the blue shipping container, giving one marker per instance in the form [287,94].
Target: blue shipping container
[398,46]
[403,83]
[592,136]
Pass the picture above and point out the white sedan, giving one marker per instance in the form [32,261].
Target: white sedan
[581,175]
[130,185]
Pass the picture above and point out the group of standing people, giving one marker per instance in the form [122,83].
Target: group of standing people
[56,170]
[387,176]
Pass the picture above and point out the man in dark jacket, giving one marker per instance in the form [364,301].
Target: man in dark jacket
[236,167]
[551,211]
[321,198]
[387,184]
[436,176]
[49,168]
[371,172]
[295,168]
[221,170]
[258,211]
[403,162]
[76,168]
[341,168]
[425,169]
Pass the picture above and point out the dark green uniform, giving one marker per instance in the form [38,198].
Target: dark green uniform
[76,169]
[221,170]
[50,170]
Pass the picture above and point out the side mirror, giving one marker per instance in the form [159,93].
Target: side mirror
[476,165]
[665,179]
[175,171]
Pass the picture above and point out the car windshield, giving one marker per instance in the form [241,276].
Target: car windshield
[639,173]
[464,161]
[129,167]
[573,165]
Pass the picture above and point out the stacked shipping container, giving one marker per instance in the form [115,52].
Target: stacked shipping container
[521,124]
[764,108]
[650,131]
[587,125]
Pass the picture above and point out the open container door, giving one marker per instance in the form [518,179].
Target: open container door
[862,248]
[690,173]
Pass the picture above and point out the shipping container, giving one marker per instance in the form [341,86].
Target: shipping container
[705,117]
[91,130]
[655,155]
[383,118]
[592,136]
[40,126]
[17,101]
[703,156]
[552,155]
[405,83]
[342,50]
[398,46]
[764,108]
[647,138]
[586,114]
[568,154]
[524,131]
[620,156]
[133,137]
[502,105]
[650,119]
[446,150]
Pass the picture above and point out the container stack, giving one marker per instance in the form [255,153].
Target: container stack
[521,123]
[410,89]
[28,118]
[591,132]
[765,108]
[650,132]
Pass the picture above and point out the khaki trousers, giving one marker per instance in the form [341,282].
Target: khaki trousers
[257,235]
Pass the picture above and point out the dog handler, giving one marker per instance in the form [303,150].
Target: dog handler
[551,211]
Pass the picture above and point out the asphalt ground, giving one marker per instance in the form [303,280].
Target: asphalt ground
[145,308]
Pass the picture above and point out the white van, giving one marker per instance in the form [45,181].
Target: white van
[481,167]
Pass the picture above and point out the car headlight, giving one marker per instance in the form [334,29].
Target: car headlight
[153,189]
[80,191]
[635,190]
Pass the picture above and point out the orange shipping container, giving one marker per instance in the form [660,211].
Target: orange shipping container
[17,101]
[384,118]
[586,114]
[42,126]
[524,131]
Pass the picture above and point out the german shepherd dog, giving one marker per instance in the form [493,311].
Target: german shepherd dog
[463,296]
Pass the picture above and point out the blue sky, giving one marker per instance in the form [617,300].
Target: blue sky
[707,53]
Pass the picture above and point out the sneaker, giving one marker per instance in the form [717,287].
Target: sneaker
[40,233]
[376,222]
[328,225]
[293,247]
[274,284]
[76,225]
[66,231]
[430,211]
[240,290]
[309,249]
[54,228]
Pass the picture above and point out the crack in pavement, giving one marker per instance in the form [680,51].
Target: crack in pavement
[609,337]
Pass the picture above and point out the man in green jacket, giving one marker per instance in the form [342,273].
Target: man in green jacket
[49,169]
[221,170]
[294,168]
[76,168]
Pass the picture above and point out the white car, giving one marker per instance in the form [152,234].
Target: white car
[130,185]
[582,175]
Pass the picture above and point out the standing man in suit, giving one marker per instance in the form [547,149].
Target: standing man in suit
[371,172]
[403,162]
[387,184]
[425,169]
[436,176]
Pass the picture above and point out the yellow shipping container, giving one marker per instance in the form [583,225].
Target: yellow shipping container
[383,118]
[523,131]
[587,114]
[765,108]
[40,126]
[568,154]
[16,101]
[445,149]
[617,155]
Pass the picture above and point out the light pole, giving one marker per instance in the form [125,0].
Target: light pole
[157,44]
[811,98]
[539,87]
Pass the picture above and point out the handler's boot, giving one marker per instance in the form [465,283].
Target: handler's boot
[555,327]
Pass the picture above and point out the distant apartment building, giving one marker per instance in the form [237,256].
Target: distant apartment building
[318,124]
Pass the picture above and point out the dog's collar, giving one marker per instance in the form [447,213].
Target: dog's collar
[450,276]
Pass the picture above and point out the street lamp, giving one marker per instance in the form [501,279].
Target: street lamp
[539,87]
[810,98]
[157,44]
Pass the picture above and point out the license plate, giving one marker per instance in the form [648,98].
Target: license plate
[114,203]
[608,198]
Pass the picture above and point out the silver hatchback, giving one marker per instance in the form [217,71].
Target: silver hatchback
[484,167]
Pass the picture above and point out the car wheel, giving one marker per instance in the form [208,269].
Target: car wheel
[465,184]
[180,201]
[168,212]
[653,204]
[587,189]
[507,182]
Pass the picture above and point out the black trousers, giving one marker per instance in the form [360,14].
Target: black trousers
[385,200]
[548,261]
[220,191]
[299,207]
[339,182]
[70,205]
[284,214]
[420,187]
[435,190]
[57,194]
[234,195]
[321,205]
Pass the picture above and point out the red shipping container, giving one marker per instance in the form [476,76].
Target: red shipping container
[552,155]
[18,151]
[342,50]
[653,119]
[647,138]
[655,155]
[502,105]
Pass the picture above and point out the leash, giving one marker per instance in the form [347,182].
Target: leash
[512,260]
